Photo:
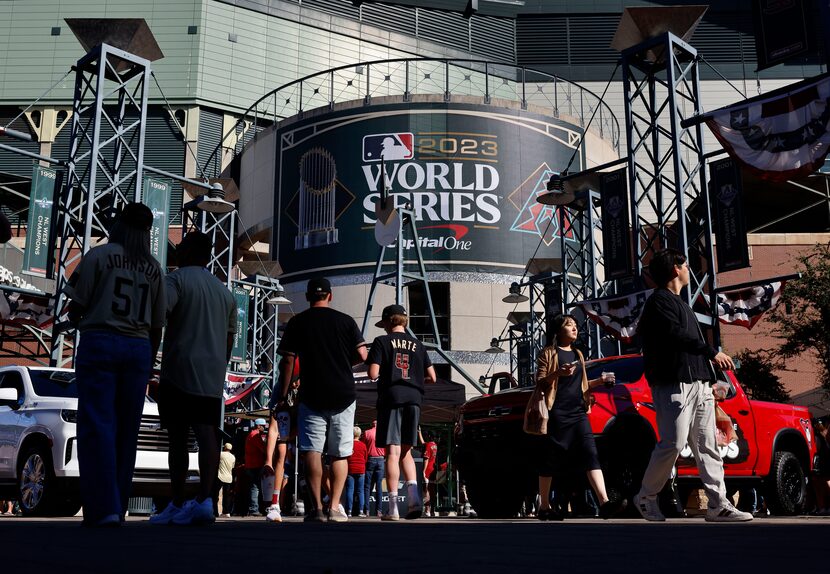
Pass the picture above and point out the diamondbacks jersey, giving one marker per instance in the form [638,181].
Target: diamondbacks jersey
[117,293]
[201,313]
[403,360]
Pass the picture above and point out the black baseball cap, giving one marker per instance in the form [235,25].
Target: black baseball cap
[388,311]
[317,286]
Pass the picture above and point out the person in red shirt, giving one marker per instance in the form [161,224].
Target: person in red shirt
[430,453]
[355,478]
[375,469]
[254,461]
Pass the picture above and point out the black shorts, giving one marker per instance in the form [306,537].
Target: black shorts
[398,425]
[177,407]
[568,447]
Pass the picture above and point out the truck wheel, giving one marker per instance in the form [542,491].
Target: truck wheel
[786,488]
[624,474]
[493,498]
[36,483]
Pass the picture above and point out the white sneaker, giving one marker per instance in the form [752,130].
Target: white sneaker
[274,514]
[649,508]
[391,516]
[194,513]
[338,514]
[165,516]
[727,513]
[415,508]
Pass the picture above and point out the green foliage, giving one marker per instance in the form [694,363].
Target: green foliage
[758,379]
[802,317]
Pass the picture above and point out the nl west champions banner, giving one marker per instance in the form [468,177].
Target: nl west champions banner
[470,173]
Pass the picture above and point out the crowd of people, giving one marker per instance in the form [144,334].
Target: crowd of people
[261,493]
[121,299]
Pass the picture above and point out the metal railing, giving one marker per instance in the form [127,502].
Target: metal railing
[409,77]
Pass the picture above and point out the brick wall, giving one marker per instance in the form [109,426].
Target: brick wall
[772,255]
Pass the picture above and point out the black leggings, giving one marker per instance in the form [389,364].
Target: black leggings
[570,445]
[209,449]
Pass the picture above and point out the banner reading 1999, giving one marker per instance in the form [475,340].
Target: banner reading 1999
[471,173]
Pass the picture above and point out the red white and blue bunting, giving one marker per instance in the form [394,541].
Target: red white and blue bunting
[780,135]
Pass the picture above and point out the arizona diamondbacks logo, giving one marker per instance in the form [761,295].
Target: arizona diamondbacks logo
[44,203]
[539,219]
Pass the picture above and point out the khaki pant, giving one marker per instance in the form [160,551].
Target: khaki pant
[685,414]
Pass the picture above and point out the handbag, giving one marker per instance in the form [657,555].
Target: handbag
[536,413]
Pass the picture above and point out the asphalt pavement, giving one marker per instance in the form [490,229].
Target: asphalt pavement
[422,546]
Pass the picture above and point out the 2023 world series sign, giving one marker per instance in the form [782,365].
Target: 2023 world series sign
[471,174]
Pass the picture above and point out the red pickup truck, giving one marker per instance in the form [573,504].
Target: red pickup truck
[775,447]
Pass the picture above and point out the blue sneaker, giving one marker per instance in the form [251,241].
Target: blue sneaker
[165,516]
[194,513]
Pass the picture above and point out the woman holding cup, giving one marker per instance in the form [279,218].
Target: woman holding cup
[570,441]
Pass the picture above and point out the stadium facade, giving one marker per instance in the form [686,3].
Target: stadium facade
[222,56]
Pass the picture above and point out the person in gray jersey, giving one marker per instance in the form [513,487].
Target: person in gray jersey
[201,322]
[118,302]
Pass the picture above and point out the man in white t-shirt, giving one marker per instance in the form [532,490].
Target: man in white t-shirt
[201,321]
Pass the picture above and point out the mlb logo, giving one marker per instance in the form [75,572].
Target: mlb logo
[379,147]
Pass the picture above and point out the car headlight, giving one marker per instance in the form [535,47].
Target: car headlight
[69,415]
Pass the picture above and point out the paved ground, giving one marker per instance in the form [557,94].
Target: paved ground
[422,546]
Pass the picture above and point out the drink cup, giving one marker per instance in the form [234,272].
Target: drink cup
[608,379]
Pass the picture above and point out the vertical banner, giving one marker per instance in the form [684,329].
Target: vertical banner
[36,252]
[240,339]
[157,197]
[781,30]
[728,210]
[616,232]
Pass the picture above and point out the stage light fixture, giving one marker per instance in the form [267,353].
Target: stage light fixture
[515,295]
[494,347]
[215,202]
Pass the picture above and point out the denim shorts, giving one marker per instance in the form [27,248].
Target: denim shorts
[327,432]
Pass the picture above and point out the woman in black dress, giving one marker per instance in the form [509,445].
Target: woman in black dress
[561,371]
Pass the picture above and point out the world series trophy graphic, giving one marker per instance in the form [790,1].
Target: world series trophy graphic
[315,224]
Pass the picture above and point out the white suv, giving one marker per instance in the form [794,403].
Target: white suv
[39,450]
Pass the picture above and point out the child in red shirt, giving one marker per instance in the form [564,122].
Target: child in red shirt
[357,470]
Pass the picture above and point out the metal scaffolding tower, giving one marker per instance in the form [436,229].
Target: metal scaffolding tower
[666,164]
[106,159]
[583,263]
[408,231]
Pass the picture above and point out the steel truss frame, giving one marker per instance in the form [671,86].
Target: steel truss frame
[102,173]
[221,228]
[261,357]
[666,162]
[583,264]
[396,277]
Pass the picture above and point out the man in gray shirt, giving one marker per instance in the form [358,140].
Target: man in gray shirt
[201,321]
